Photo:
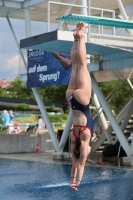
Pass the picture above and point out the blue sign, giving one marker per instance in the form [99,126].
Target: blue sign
[47,69]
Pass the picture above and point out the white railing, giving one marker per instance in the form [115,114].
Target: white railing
[66,4]
[59,124]
[26,125]
[100,28]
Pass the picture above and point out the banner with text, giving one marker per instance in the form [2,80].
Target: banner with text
[47,69]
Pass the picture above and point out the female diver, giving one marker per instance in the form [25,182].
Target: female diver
[78,96]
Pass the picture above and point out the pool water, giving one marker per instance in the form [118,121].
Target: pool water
[27,180]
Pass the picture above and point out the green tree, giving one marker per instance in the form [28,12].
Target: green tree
[18,89]
[2,92]
[50,108]
[22,106]
[120,98]
[57,94]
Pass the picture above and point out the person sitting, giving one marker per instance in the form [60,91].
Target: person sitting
[16,129]
[78,96]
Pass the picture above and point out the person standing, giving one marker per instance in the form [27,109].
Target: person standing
[11,116]
[6,120]
[39,125]
[6,117]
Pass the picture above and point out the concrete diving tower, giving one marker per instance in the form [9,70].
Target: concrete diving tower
[115,63]
[103,71]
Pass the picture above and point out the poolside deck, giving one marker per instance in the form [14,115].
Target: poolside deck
[48,157]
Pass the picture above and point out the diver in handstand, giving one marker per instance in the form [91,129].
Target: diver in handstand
[78,96]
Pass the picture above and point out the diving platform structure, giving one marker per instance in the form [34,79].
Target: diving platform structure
[114,50]
[116,63]
[102,71]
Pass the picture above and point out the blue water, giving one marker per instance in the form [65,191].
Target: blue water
[25,180]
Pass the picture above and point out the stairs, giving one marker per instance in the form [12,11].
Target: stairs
[127,132]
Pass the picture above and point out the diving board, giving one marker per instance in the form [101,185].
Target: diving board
[62,41]
[97,20]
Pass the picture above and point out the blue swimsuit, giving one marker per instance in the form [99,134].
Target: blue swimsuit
[75,105]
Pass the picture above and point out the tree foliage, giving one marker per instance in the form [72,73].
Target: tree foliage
[18,89]
[22,106]
[121,97]
[57,94]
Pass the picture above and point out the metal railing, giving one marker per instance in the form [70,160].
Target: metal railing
[25,125]
[100,28]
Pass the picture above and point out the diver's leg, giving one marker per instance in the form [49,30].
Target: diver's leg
[83,92]
[84,152]
[73,80]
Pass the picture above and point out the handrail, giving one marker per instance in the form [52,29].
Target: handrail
[54,2]
[79,6]
[31,124]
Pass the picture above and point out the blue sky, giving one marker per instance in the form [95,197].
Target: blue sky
[10,61]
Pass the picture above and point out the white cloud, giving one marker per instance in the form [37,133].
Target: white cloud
[9,53]
[9,67]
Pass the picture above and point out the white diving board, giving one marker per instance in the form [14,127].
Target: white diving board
[97,20]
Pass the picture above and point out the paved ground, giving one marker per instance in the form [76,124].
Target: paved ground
[48,157]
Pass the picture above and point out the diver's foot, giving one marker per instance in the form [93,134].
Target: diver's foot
[73,186]
[80,31]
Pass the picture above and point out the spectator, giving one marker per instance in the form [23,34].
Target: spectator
[6,120]
[39,125]
[16,129]
[11,116]
[6,117]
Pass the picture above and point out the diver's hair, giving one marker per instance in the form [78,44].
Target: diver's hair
[77,146]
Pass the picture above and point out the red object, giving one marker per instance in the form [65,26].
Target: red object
[15,125]
[37,148]
[24,131]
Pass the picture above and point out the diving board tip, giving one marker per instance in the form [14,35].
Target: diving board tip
[97,20]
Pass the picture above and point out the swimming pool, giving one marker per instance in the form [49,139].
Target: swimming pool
[27,180]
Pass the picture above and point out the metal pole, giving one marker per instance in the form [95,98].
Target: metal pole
[131,85]
[89,13]
[102,26]
[48,17]
[110,116]
[113,15]
[21,53]
[127,116]
[66,13]
[27,22]
[83,11]
[121,7]
[46,118]
[65,132]
[123,29]
[35,90]
[103,120]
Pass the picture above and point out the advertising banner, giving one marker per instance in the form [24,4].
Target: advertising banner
[47,69]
